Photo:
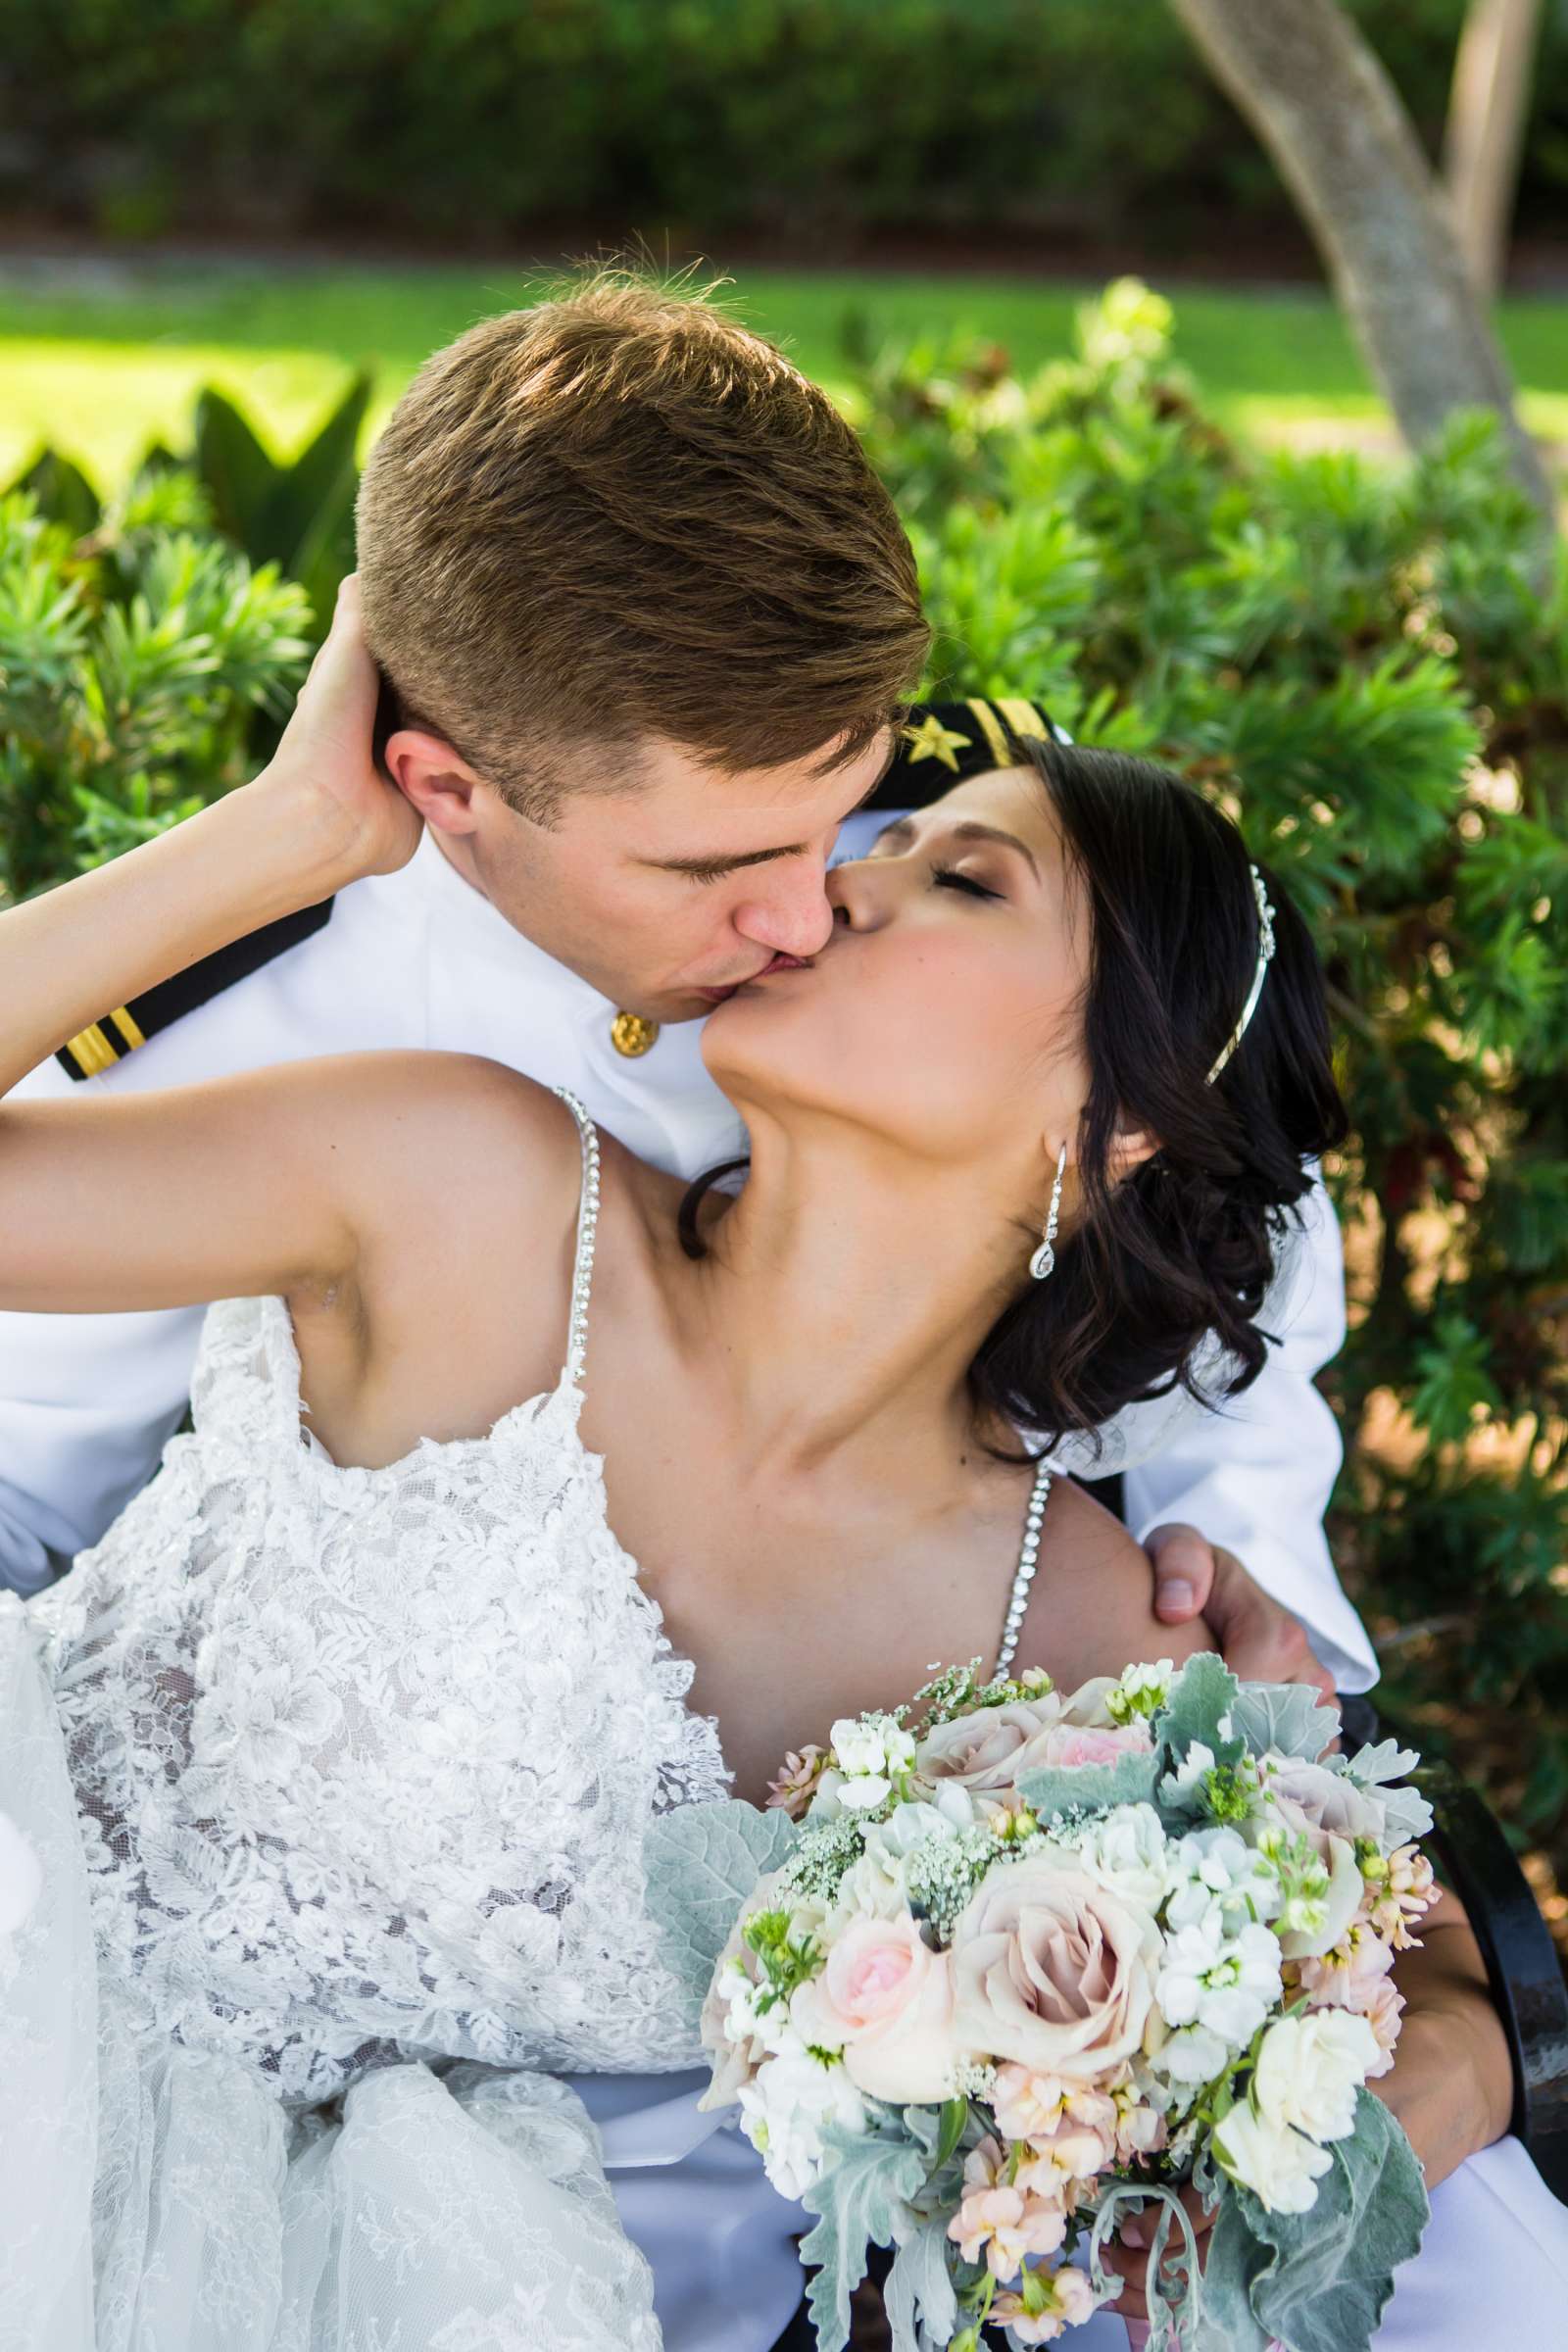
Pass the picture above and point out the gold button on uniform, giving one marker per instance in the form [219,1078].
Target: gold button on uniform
[631,1035]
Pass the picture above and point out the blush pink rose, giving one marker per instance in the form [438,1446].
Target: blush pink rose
[1072,1744]
[885,1999]
[1052,1971]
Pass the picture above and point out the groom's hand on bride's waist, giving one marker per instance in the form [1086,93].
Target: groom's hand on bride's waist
[1259,1640]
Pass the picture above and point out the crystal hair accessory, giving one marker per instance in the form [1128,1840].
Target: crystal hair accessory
[1265,952]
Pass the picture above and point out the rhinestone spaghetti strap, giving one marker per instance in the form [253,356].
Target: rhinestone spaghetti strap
[587,1226]
[1028,1561]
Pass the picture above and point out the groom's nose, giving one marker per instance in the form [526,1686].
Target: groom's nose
[786,910]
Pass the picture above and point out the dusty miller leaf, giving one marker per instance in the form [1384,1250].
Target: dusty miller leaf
[702,1863]
[1059,1788]
[864,2189]
[1285,1717]
[920,2286]
[1318,2280]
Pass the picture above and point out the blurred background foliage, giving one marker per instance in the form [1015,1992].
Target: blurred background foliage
[1365,662]
[437,120]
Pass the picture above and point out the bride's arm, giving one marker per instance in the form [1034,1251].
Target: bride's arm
[251,1184]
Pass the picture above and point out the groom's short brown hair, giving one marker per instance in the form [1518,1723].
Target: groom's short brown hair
[620,514]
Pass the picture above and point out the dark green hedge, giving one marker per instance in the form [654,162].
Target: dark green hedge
[453,118]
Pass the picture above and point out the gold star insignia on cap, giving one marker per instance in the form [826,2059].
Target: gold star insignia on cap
[931,740]
[633,1036]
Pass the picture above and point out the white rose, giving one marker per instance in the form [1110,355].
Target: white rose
[1279,2166]
[871,1888]
[1311,2068]
[1128,1852]
[889,1843]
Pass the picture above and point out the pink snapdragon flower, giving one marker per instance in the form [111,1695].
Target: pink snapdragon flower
[1070,2299]
[999,2223]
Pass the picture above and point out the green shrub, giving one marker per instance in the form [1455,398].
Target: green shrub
[135,664]
[443,117]
[1366,666]
[1363,664]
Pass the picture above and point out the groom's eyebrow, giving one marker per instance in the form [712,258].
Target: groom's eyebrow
[744,858]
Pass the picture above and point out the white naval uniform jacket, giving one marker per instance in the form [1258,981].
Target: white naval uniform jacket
[420,958]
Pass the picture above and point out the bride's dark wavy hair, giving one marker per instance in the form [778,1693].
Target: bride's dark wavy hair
[1184,1246]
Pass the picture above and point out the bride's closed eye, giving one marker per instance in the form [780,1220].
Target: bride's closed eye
[948,877]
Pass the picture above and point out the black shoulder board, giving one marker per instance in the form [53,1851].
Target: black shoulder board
[119,1033]
[940,744]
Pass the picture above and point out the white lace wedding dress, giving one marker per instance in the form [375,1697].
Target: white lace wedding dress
[339,1780]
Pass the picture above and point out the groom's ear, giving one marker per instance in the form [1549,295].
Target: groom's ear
[434,777]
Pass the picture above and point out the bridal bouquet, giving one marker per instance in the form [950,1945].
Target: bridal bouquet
[1010,1966]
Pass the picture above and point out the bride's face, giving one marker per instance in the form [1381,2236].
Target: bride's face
[945,1011]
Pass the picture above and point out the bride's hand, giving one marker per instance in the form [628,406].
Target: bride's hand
[354,821]
[1127,2256]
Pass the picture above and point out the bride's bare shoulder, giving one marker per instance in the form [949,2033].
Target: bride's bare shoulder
[1092,1610]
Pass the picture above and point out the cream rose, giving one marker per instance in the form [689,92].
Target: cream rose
[885,1999]
[1052,1971]
[983,1753]
[1324,1805]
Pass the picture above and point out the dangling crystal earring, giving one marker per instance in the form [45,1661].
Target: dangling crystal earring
[1044,1261]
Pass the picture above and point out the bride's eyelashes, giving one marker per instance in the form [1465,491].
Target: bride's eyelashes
[948,877]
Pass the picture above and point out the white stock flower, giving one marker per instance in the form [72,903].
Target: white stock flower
[870,1744]
[1181,1786]
[1227,1984]
[1218,1871]
[1311,2068]
[1141,1691]
[1192,2057]
[863,1792]
[1127,1853]
[785,2106]
[1279,2166]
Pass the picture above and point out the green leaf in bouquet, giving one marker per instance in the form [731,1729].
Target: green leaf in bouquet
[1408,1812]
[702,1863]
[920,2289]
[1203,1697]
[1285,1717]
[1318,2280]
[1095,1788]
[860,2197]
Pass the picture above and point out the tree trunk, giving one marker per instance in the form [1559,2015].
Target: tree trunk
[1331,119]
[1487,112]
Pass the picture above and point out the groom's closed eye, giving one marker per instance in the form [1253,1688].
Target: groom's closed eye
[713,869]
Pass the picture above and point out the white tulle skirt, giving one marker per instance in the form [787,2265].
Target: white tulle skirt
[157,2200]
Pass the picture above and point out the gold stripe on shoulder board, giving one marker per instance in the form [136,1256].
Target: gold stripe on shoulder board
[91,1051]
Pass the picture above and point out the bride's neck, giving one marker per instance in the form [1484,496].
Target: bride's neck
[846,1293]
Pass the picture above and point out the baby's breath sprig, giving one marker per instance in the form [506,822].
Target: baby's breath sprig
[958,1690]
[822,1853]
[941,1873]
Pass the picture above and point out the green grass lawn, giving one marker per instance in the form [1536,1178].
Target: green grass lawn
[98,362]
